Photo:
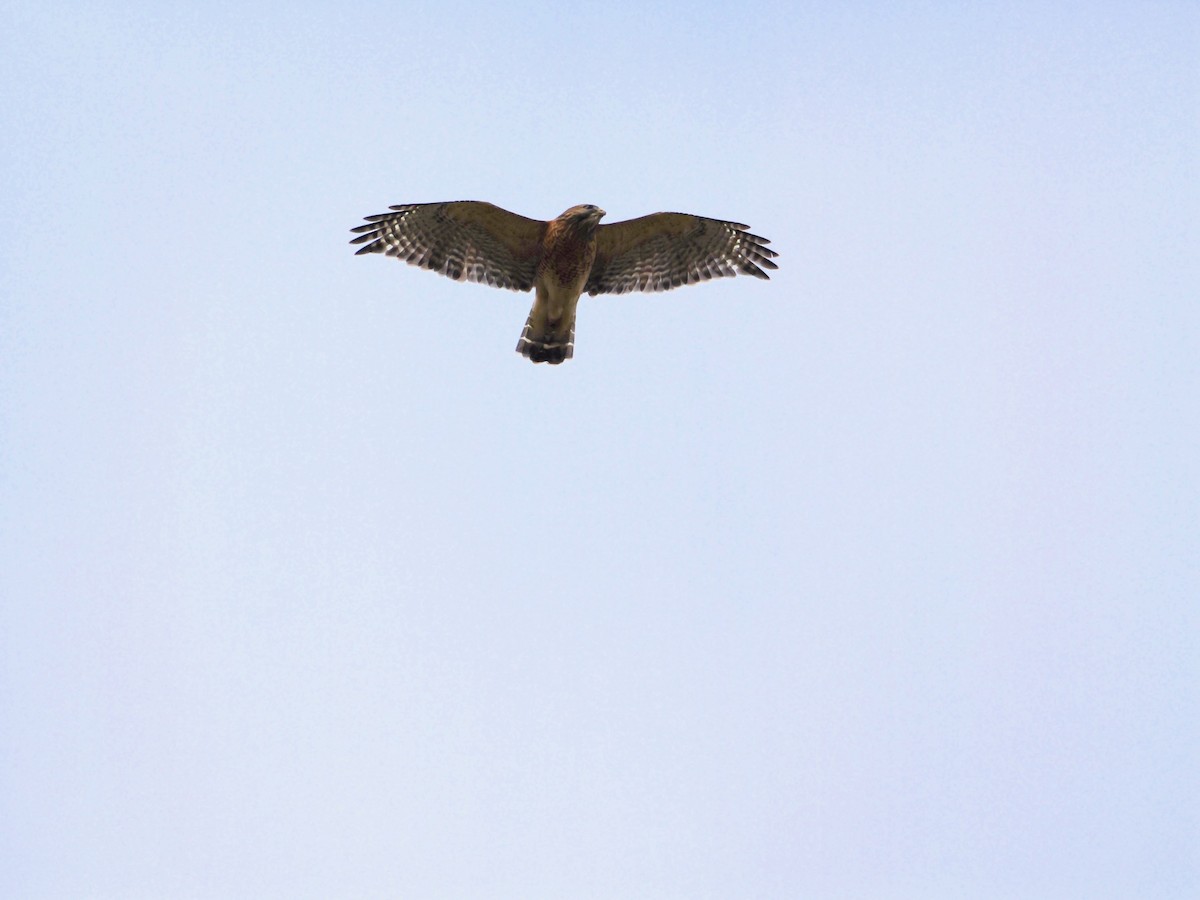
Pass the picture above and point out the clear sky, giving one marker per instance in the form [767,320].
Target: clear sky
[879,579]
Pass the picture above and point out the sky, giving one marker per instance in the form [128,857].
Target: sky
[878,579]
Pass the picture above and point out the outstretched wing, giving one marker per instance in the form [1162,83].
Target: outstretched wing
[465,240]
[665,250]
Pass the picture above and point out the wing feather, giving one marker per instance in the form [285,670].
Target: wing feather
[467,240]
[666,250]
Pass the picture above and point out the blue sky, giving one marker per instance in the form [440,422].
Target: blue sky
[878,579]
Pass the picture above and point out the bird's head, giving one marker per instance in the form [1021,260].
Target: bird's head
[585,215]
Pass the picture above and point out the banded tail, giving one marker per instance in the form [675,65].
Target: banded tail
[547,343]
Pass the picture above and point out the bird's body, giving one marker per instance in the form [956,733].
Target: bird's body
[562,272]
[564,257]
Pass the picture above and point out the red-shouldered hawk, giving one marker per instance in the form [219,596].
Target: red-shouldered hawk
[476,241]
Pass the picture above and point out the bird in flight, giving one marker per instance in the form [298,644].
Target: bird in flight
[470,240]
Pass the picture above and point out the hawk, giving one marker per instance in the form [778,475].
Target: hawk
[475,241]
